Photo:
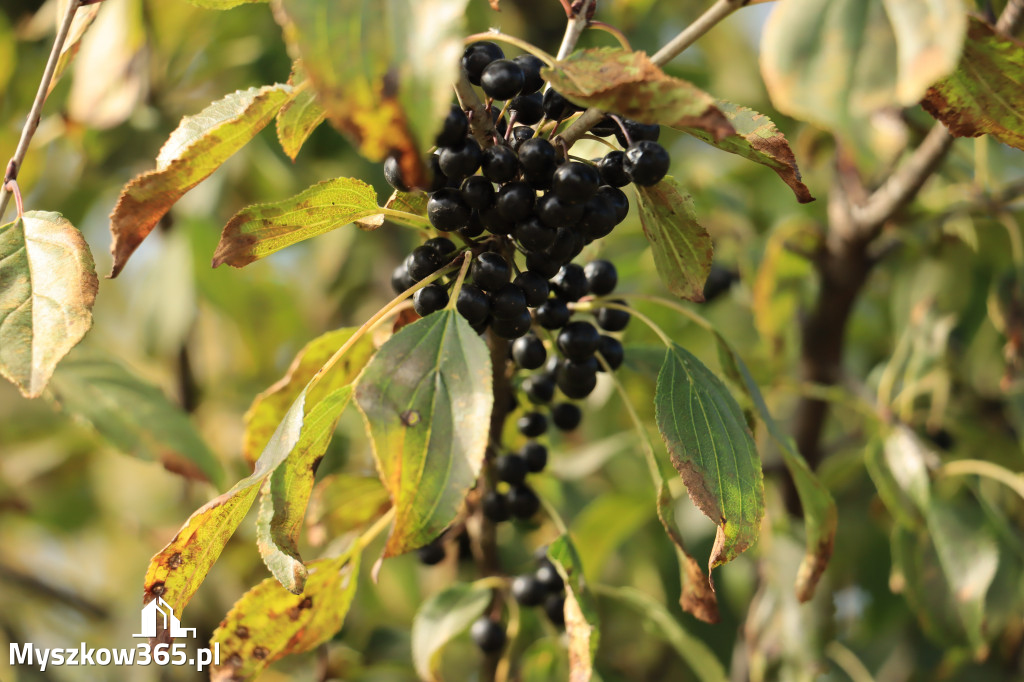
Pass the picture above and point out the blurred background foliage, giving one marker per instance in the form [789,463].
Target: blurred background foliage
[79,519]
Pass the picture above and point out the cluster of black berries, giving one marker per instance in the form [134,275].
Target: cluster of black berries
[544,587]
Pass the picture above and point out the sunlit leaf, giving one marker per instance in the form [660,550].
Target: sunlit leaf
[820,514]
[47,288]
[199,145]
[426,399]
[300,117]
[606,523]
[410,202]
[712,449]
[581,621]
[631,85]
[833,62]
[898,466]
[270,406]
[133,415]
[83,19]
[441,618]
[260,230]
[342,503]
[385,83]
[269,622]
[756,138]
[544,660]
[986,92]
[682,248]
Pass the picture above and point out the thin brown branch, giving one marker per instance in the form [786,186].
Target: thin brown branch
[32,122]
[574,29]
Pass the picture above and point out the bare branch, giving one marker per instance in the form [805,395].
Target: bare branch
[1012,17]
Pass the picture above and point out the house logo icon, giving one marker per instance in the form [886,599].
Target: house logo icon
[159,610]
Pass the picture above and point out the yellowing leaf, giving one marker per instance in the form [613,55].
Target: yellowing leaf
[199,145]
[426,400]
[631,85]
[260,230]
[83,19]
[269,623]
[682,248]
[47,288]
[300,117]
[986,92]
[342,503]
[696,596]
[581,622]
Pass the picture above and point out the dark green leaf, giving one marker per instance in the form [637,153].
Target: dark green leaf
[682,248]
[441,618]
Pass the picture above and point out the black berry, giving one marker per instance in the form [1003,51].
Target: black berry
[577,379]
[422,262]
[532,424]
[508,302]
[431,554]
[531,66]
[575,182]
[557,107]
[528,352]
[553,313]
[495,506]
[473,304]
[446,210]
[534,287]
[601,277]
[460,161]
[533,234]
[570,284]
[561,250]
[511,469]
[502,79]
[598,217]
[400,279]
[489,635]
[476,58]
[535,455]
[527,591]
[537,156]
[477,192]
[520,134]
[547,575]
[442,246]
[637,132]
[515,201]
[566,416]
[646,163]
[611,350]
[523,502]
[393,173]
[612,171]
[499,163]
[539,388]
[512,327]
[578,340]
[475,226]
[556,213]
[429,299]
[542,264]
[612,319]
[495,222]
[490,271]
[528,109]
[554,607]
[454,128]
[617,199]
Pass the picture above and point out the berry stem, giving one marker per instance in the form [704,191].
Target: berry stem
[467,258]
[593,305]
[701,25]
[371,533]
[407,219]
[555,517]
[622,127]
[679,308]
[512,40]
[619,35]
[638,425]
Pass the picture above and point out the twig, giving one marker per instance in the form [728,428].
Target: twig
[573,30]
[480,122]
[1011,18]
[37,106]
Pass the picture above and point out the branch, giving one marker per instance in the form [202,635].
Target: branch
[1011,18]
[480,122]
[574,29]
[32,122]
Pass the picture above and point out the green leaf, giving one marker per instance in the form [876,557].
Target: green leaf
[606,523]
[426,399]
[630,84]
[269,623]
[300,117]
[820,514]
[682,248]
[133,415]
[543,661]
[757,139]
[47,288]
[712,449]
[835,62]
[262,229]
[410,202]
[898,466]
[986,92]
[286,493]
[222,4]
[440,619]
[581,621]
[270,406]
[702,661]
[343,503]
[199,145]
[385,83]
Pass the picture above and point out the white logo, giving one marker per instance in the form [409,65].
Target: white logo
[158,608]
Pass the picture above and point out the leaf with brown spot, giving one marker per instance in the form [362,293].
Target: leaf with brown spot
[712,449]
[269,622]
[297,119]
[47,288]
[344,503]
[439,369]
[696,595]
[270,406]
[581,622]
[441,618]
[385,83]
[682,248]
[986,92]
[199,146]
[630,84]
[756,138]
[262,229]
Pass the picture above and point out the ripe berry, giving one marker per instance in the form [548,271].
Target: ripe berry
[646,163]
[477,192]
[537,155]
[400,279]
[454,128]
[605,127]
[499,163]
[431,554]
[617,199]
[511,469]
[490,271]
[522,501]
[578,340]
[547,575]
[528,109]
[512,327]
[577,379]
[575,182]
[532,424]
[554,607]
[429,299]
[533,234]
[611,350]
[442,246]
[495,506]
[474,228]
[570,284]
[557,107]
[527,591]
[531,66]
[535,455]
[515,201]
[638,131]
[437,178]
[540,181]
[446,210]
[612,171]
[598,218]
[553,313]
[612,319]
[473,304]
[520,134]
[561,250]
[601,277]
[534,287]
[461,160]
[542,264]
[495,222]
[393,173]
[489,635]
[528,352]
[422,262]
[566,416]
[556,213]
[476,58]
[502,79]
[508,302]
[539,388]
